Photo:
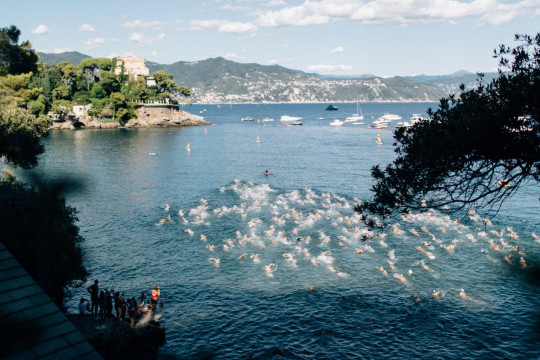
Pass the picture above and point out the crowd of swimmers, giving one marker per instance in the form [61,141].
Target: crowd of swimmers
[103,302]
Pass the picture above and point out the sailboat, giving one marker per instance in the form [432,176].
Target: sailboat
[356,117]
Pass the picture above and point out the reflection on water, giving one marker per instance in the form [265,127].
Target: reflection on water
[330,294]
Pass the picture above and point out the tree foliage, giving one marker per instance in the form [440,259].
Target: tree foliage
[41,232]
[20,134]
[36,226]
[478,147]
[14,58]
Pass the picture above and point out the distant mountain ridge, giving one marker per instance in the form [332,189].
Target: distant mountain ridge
[72,57]
[218,80]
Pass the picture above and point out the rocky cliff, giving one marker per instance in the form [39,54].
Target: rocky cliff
[149,116]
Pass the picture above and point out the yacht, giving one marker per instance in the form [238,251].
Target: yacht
[331,107]
[414,119]
[290,118]
[337,122]
[390,117]
[356,117]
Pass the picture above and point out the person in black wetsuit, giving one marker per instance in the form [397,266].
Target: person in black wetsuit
[94,297]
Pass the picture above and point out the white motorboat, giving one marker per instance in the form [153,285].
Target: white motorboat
[414,119]
[266,120]
[247,118]
[337,122]
[390,117]
[290,118]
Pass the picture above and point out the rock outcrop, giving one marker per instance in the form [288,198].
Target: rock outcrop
[161,115]
[114,339]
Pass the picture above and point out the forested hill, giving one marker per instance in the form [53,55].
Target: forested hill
[72,57]
[219,80]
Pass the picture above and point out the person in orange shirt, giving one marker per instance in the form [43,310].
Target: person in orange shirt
[155,297]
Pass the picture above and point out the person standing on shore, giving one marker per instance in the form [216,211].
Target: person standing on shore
[155,297]
[94,296]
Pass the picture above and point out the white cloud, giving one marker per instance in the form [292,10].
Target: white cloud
[274,3]
[142,24]
[223,26]
[339,49]
[273,62]
[41,30]
[329,68]
[233,56]
[398,12]
[92,43]
[86,28]
[139,38]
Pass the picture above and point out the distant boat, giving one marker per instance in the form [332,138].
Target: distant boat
[152,154]
[356,117]
[247,118]
[266,120]
[337,122]
[290,118]
[415,119]
[331,107]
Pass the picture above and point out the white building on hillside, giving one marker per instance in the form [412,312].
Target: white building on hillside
[133,66]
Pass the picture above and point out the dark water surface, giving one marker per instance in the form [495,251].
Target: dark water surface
[237,310]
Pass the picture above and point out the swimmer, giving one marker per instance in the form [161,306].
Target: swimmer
[255,258]
[269,269]
[414,232]
[190,232]
[507,259]
[410,272]
[181,212]
[383,244]
[443,230]
[416,298]
[392,266]
[359,251]
[203,237]
[266,172]
[463,294]
[215,261]
[381,269]
[427,268]
[369,248]
[401,278]
[242,256]
[522,262]
[210,247]
[536,237]
[392,254]
[471,237]
[425,229]
[310,288]
[436,293]
[167,207]
[162,221]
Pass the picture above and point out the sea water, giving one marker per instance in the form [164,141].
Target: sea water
[329,295]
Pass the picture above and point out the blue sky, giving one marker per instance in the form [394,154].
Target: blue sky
[343,37]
